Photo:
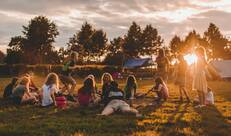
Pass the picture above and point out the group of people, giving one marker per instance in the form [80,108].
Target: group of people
[23,90]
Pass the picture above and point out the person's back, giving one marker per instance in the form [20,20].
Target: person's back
[86,92]
[18,93]
[8,91]
[84,98]
[46,94]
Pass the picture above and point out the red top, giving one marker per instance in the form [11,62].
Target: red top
[84,98]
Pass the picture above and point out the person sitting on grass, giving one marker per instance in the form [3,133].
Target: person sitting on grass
[130,89]
[86,94]
[32,86]
[94,84]
[160,89]
[66,75]
[181,77]
[21,93]
[117,103]
[8,91]
[106,83]
[49,89]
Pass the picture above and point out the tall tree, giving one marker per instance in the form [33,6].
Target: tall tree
[39,34]
[216,40]
[115,45]
[191,41]
[98,44]
[81,41]
[151,41]
[36,42]
[132,42]
[176,45]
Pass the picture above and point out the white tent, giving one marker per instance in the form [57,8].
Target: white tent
[223,67]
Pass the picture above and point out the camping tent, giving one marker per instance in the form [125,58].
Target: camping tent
[138,62]
[223,67]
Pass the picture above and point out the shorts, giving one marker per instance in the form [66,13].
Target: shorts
[118,105]
[67,80]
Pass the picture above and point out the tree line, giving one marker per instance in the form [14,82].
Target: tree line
[36,45]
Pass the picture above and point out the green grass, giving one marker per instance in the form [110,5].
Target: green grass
[169,118]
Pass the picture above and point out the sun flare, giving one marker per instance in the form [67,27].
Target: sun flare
[190,58]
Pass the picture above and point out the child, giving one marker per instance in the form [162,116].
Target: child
[130,88]
[181,77]
[32,85]
[8,91]
[86,92]
[199,80]
[117,103]
[94,82]
[67,73]
[21,94]
[49,89]
[209,97]
[160,89]
[106,82]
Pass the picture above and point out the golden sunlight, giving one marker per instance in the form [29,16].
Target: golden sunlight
[190,58]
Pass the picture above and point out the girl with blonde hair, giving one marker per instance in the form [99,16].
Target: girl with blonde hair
[49,89]
[199,80]
[21,93]
[106,83]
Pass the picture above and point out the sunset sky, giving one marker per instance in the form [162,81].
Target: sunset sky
[170,17]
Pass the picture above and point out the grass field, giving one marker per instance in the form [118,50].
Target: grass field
[169,118]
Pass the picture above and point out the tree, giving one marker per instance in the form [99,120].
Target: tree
[151,41]
[39,35]
[217,42]
[81,41]
[115,56]
[2,56]
[14,56]
[191,41]
[98,44]
[88,42]
[132,41]
[115,45]
[176,45]
[35,46]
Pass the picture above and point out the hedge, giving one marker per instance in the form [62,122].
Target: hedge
[81,70]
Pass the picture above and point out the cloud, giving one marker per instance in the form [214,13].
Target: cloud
[170,17]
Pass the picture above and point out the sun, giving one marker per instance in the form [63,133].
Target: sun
[190,58]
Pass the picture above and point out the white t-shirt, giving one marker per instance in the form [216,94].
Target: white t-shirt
[210,98]
[47,90]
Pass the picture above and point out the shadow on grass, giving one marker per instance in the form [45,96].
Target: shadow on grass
[213,122]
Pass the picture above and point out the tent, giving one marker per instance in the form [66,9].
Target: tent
[138,62]
[223,67]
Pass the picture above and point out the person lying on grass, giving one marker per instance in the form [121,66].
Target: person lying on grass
[8,91]
[160,89]
[106,84]
[21,93]
[86,94]
[130,89]
[49,89]
[117,103]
